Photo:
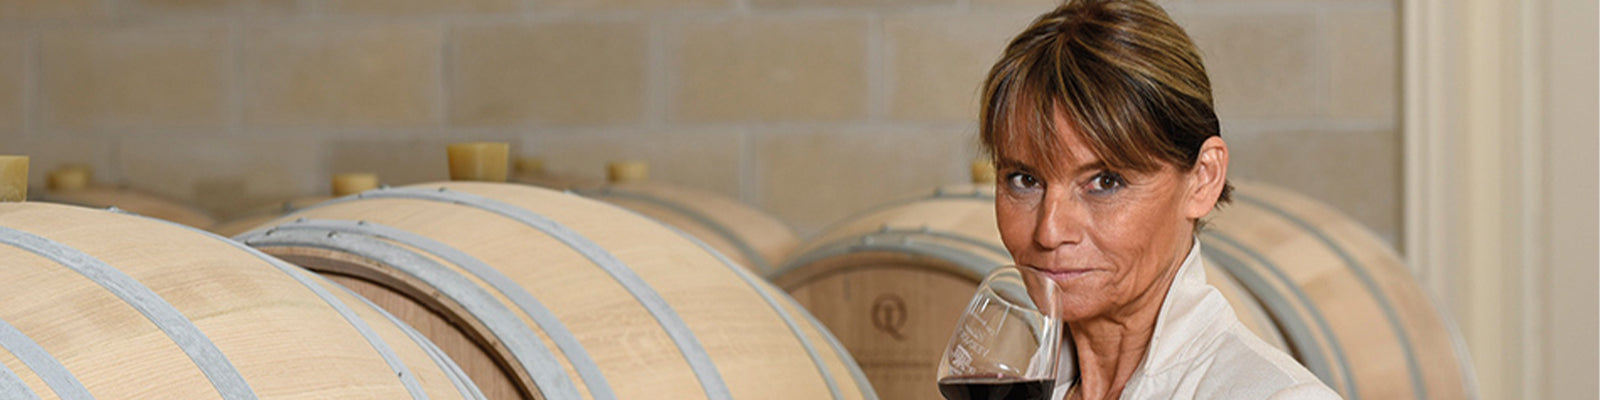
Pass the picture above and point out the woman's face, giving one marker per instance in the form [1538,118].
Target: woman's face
[1110,239]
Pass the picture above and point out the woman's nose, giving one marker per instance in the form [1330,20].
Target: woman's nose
[1061,221]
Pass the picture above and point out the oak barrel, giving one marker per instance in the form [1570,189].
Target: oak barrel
[341,185]
[1344,300]
[546,294]
[74,184]
[150,205]
[750,237]
[261,216]
[890,282]
[99,304]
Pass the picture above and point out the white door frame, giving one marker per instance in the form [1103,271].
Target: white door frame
[1475,179]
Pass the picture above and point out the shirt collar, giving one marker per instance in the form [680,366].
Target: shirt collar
[1185,314]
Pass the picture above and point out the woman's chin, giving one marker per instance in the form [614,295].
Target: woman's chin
[1075,310]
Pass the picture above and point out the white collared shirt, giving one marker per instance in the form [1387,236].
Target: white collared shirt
[1200,350]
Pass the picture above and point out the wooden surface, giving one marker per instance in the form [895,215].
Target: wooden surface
[768,237]
[69,177]
[284,340]
[263,216]
[474,359]
[755,352]
[479,161]
[895,310]
[556,181]
[13,178]
[1322,256]
[351,183]
[621,172]
[101,196]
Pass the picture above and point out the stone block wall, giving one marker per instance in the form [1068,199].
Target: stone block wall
[809,109]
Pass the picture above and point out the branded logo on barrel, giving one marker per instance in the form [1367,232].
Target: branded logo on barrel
[889,315]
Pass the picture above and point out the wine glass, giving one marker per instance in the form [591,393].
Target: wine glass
[1003,347]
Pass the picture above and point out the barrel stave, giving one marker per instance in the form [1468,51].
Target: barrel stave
[571,255]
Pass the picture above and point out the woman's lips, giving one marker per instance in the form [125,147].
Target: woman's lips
[1061,275]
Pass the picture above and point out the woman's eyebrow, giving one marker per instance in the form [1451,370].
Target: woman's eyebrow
[1096,165]
[1008,163]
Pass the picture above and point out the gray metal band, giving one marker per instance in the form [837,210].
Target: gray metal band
[969,265]
[689,346]
[938,194]
[738,242]
[205,354]
[389,357]
[413,387]
[849,362]
[458,378]
[547,321]
[887,233]
[42,363]
[540,364]
[1281,308]
[1419,387]
[788,321]
[11,386]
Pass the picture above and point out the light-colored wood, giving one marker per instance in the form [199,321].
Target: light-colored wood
[13,178]
[70,177]
[149,205]
[895,310]
[893,313]
[479,161]
[725,224]
[627,172]
[341,185]
[559,181]
[473,359]
[754,350]
[529,166]
[284,340]
[263,216]
[983,172]
[1324,255]
[532,171]
[351,183]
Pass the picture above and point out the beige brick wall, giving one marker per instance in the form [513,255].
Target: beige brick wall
[12,77]
[114,78]
[812,110]
[563,73]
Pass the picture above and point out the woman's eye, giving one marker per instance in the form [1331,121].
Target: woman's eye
[1105,182]
[1019,180]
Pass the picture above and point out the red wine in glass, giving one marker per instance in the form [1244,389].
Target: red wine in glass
[1003,347]
[995,388]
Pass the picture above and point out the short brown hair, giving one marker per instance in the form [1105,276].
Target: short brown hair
[1122,73]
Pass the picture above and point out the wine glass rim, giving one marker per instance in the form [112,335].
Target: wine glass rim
[1010,275]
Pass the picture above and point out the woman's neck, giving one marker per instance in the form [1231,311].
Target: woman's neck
[1110,348]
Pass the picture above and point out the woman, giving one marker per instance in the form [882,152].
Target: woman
[1100,120]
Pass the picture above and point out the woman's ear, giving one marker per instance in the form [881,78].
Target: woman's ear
[1207,178]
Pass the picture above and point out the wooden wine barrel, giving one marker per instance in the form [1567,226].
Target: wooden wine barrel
[891,282]
[749,236]
[531,171]
[74,184]
[98,304]
[341,185]
[149,205]
[257,218]
[1346,303]
[545,294]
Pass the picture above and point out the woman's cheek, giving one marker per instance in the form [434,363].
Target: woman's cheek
[1016,224]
